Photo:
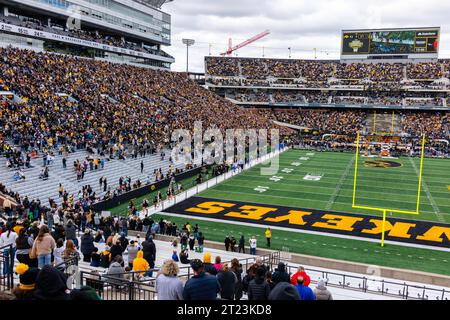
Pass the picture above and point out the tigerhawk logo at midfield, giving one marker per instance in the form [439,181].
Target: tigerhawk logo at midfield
[381,164]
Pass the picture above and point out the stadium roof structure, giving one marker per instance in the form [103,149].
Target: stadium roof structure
[153,3]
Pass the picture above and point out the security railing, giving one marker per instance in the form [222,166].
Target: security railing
[6,268]
[375,285]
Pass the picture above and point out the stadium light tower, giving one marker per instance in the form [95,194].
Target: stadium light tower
[188,43]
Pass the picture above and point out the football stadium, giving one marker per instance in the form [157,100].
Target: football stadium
[255,178]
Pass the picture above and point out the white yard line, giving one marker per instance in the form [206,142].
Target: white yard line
[339,185]
[436,209]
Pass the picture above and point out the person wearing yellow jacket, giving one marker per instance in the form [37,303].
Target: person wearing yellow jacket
[140,264]
[268,236]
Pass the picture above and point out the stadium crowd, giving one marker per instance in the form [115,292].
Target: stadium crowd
[322,71]
[381,83]
[44,252]
[94,36]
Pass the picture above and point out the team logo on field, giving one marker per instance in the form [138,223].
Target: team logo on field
[381,164]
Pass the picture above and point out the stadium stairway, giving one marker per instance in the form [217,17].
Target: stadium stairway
[36,188]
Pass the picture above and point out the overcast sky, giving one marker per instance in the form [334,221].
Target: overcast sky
[301,25]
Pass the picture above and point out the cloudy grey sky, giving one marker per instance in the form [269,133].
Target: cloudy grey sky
[300,24]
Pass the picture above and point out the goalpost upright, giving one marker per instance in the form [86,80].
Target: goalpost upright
[381,209]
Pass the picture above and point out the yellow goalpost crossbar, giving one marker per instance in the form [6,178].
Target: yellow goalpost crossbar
[385,210]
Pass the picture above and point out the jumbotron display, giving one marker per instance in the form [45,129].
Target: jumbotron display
[388,42]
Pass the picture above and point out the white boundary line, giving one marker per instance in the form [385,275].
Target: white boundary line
[433,203]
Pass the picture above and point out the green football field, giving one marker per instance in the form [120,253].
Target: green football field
[393,188]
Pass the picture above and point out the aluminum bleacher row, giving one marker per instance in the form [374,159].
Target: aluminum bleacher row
[36,188]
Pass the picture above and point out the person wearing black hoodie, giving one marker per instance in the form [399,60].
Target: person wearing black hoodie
[87,245]
[258,288]
[51,285]
[242,244]
[116,249]
[149,249]
[71,232]
[280,274]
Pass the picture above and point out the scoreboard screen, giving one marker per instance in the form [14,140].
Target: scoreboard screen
[379,42]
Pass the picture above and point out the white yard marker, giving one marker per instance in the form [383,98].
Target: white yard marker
[303,159]
[261,189]
[287,170]
[311,154]
[276,178]
[313,177]
[296,164]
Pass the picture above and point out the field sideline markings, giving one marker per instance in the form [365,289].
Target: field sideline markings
[339,184]
[437,211]
[282,197]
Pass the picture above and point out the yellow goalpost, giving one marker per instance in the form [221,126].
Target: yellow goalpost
[385,210]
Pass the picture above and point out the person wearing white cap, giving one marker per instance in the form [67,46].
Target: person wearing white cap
[321,292]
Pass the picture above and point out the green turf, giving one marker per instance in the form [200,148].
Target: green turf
[394,188]
[329,247]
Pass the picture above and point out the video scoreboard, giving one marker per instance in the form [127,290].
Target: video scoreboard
[419,41]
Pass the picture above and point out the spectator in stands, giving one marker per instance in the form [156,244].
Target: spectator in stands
[284,291]
[321,292]
[85,293]
[202,286]
[51,284]
[140,264]
[116,249]
[132,250]
[58,253]
[71,232]
[168,286]
[23,245]
[27,282]
[70,254]
[280,274]
[218,263]
[270,281]
[184,257]
[301,273]
[175,256]
[258,288]
[116,269]
[305,292]
[87,245]
[95,258]
[149,250]
[236,268]
[105,257]
[227,280]
[43,247]
[208,267]
[8,238]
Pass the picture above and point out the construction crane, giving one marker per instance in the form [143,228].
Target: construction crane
[231,49]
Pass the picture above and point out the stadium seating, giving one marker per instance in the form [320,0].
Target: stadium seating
[393,84]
